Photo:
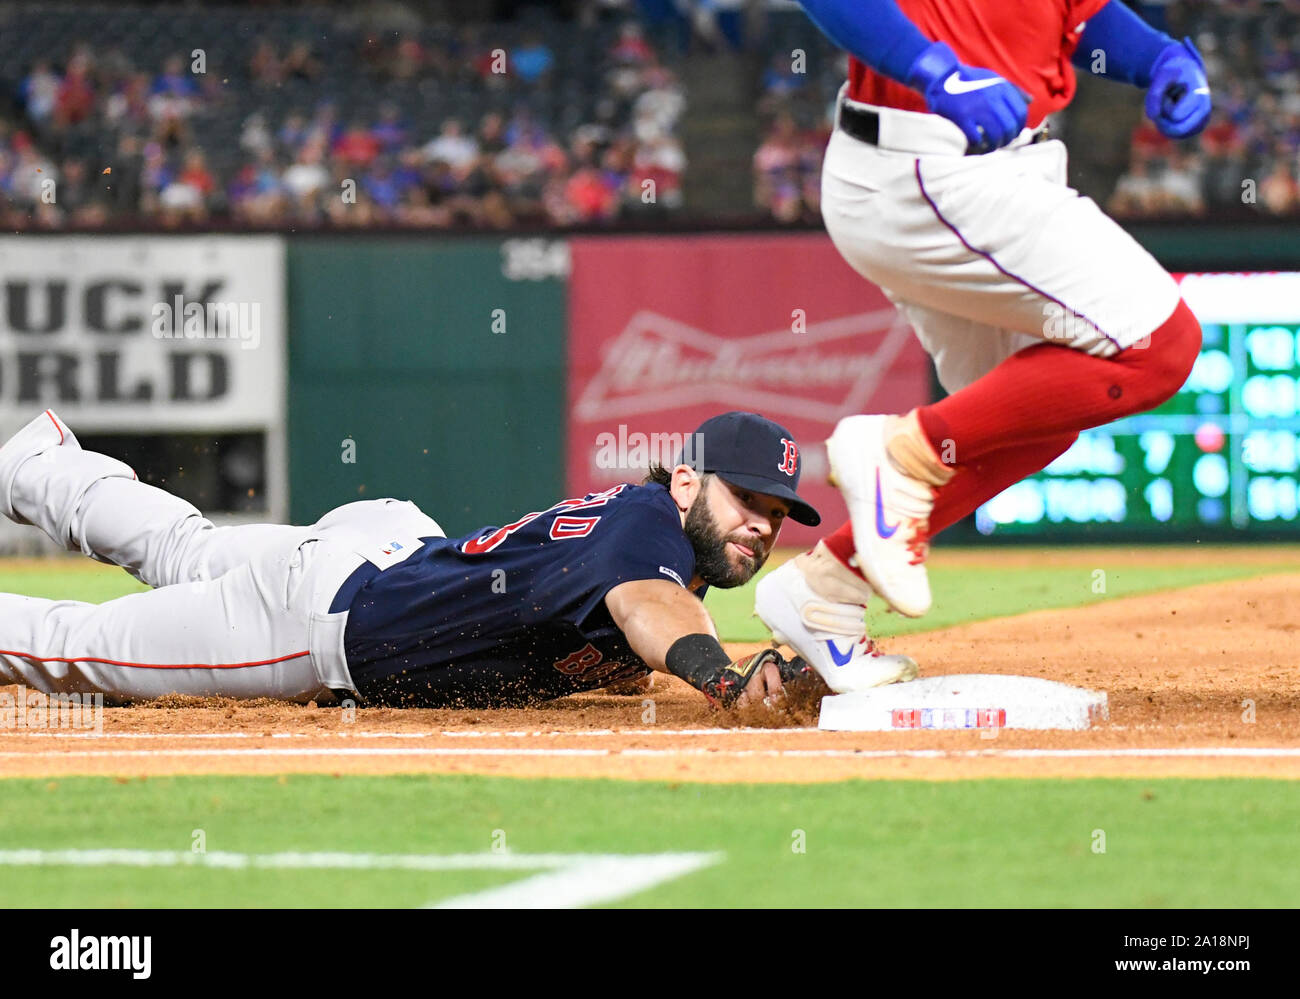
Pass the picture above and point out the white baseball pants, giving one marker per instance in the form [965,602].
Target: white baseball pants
[986,255]
[237,611]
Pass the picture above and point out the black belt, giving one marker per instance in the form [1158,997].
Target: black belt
[864,125]
[860,123]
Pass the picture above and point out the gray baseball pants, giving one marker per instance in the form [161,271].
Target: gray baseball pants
[239,611]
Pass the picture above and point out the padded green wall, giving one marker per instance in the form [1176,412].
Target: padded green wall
[391,346]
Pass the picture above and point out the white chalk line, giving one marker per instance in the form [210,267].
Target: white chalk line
[568,879]
[1228,752]
[590,882]
[447,733]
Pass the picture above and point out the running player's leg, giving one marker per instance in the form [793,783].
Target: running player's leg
[814,602]
[965,351]
[92,503]
[245,634]
[974,484]
[1002,241]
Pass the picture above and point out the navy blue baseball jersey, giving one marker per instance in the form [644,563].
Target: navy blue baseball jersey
[514,614]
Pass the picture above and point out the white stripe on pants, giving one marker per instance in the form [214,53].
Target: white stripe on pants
[234,610]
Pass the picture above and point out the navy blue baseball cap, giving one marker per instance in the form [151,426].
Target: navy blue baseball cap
[754,453]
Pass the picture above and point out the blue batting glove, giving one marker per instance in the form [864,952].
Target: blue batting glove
[988,109]
[1178,100]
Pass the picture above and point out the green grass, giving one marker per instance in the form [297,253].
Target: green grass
[1168,843]
[59,580]
[965,594]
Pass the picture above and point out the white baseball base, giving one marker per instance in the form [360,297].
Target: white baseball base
[977,701]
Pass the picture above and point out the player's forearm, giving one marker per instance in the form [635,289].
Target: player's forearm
[654,629]
[1119,45]
[876,31]
[672,632]
[653,614]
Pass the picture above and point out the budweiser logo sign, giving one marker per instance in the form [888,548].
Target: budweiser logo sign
[667,332]
[829,371]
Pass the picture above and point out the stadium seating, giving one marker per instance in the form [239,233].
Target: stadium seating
[426,72]
[574,103]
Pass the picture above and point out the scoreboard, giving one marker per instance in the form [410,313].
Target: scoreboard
[1219,460]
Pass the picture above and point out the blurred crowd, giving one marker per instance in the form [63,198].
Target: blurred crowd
[788,170]
[798,104]
[48,177]
[1249,154]
[304,131]
[124,143]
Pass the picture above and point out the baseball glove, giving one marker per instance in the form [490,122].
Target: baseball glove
[798,678]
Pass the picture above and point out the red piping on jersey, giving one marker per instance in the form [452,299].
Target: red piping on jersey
[992,260]
[114,662]
[56,425]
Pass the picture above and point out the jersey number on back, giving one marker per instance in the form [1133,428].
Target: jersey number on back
[562,527]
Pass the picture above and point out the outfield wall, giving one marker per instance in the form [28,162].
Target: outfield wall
[440,361]
[488,376]
[609,349]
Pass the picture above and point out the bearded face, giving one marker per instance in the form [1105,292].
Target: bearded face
[721,559]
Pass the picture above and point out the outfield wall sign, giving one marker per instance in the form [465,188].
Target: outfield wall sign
[134,333]
[666,332]
[176,343]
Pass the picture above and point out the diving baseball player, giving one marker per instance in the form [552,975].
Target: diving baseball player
[373,601]
[1043,317]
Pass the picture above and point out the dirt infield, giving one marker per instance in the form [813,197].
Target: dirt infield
[1202,682]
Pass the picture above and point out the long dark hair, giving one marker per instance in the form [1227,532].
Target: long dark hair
[658,475]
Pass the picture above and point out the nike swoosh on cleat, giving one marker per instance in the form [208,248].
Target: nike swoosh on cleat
[885,530]
[841,658]
[956,85]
